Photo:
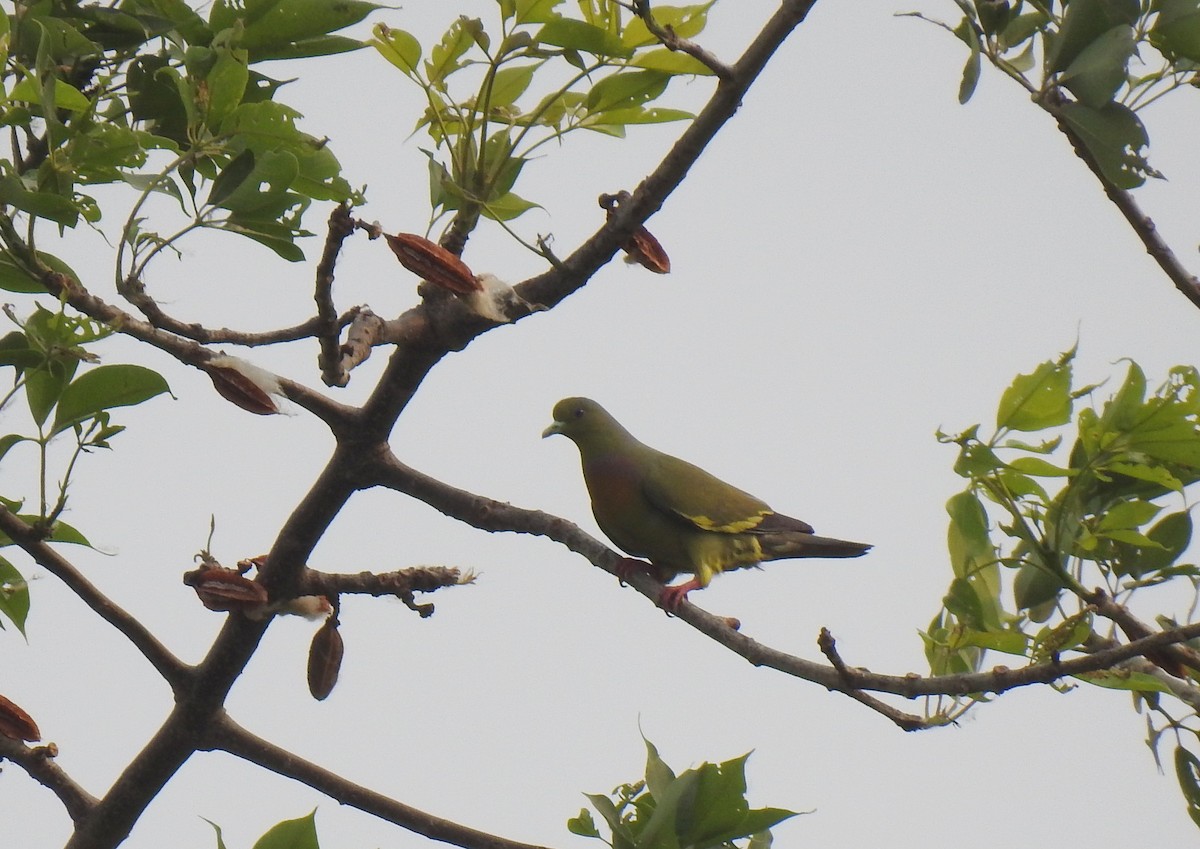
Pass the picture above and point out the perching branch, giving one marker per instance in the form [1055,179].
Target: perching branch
[228,736]
[496,516]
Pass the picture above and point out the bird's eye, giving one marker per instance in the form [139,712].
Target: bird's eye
[578,413]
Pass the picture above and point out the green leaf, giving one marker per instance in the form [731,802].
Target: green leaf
[1124,679]
[535,11]
[977,460]
[445,56]
[510,83]
[291,834]
[612,816]
[1035,584]
[1006,641]
[1128,514]
[507,207]
[65,95]
[14,595]
[57,208]
[264,192]
[971,70]
[1176,30]
[45,385]
[1038,400]
[1151,474]
[967,537]
[626,89]
[1022,28]
[686,21]
[105,387]
[1084,22]
[14,277]
[583,825]
[1039,467]
[659,776]
[1169,538]
[1187,770]
[671,62]
[1101,68]
[1115,138]
[280,238]
[579,35]
[398,47]
[272,28]
[226,84]
[231,177]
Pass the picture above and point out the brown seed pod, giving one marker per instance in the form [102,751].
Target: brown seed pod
[645,250]
[641,247]
[430,261]
[16,723]
[238,389]
[324,659]
[224,589]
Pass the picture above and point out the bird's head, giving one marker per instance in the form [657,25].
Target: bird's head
[584,421]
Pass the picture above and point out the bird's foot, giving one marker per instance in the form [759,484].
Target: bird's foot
[628,566]
[672,597]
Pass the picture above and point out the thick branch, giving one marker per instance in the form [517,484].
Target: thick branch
[232,738]
[176,673]
[38,761]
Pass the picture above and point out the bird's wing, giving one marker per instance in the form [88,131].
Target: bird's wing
[690,493]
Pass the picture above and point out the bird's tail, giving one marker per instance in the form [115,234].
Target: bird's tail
[785,545]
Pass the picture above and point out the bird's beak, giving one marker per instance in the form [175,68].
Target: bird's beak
[555,427]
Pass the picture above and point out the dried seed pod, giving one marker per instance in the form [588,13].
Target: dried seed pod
[430,261]
[325,659]
[16,723]
[641,247]
[644,249]
[244,384]
[224,589]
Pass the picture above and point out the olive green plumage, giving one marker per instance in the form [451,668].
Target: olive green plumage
[676,515]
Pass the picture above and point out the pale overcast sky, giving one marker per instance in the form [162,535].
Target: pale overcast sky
[857,261]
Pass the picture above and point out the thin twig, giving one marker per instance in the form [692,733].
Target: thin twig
[905,721]
[672,41]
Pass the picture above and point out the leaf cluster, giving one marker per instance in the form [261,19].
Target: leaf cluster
[103,92]
[1110,513]
[1093,63]
[702,808]
[608,69]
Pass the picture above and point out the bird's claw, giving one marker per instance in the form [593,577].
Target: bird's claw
[672,597]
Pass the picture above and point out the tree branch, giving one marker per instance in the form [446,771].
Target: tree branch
[1155,245]
[671,40]
[38,762]
[341,225]
[494,516]
[176,673]
[230,737]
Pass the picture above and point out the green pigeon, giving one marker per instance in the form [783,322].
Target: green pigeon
[674,514]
